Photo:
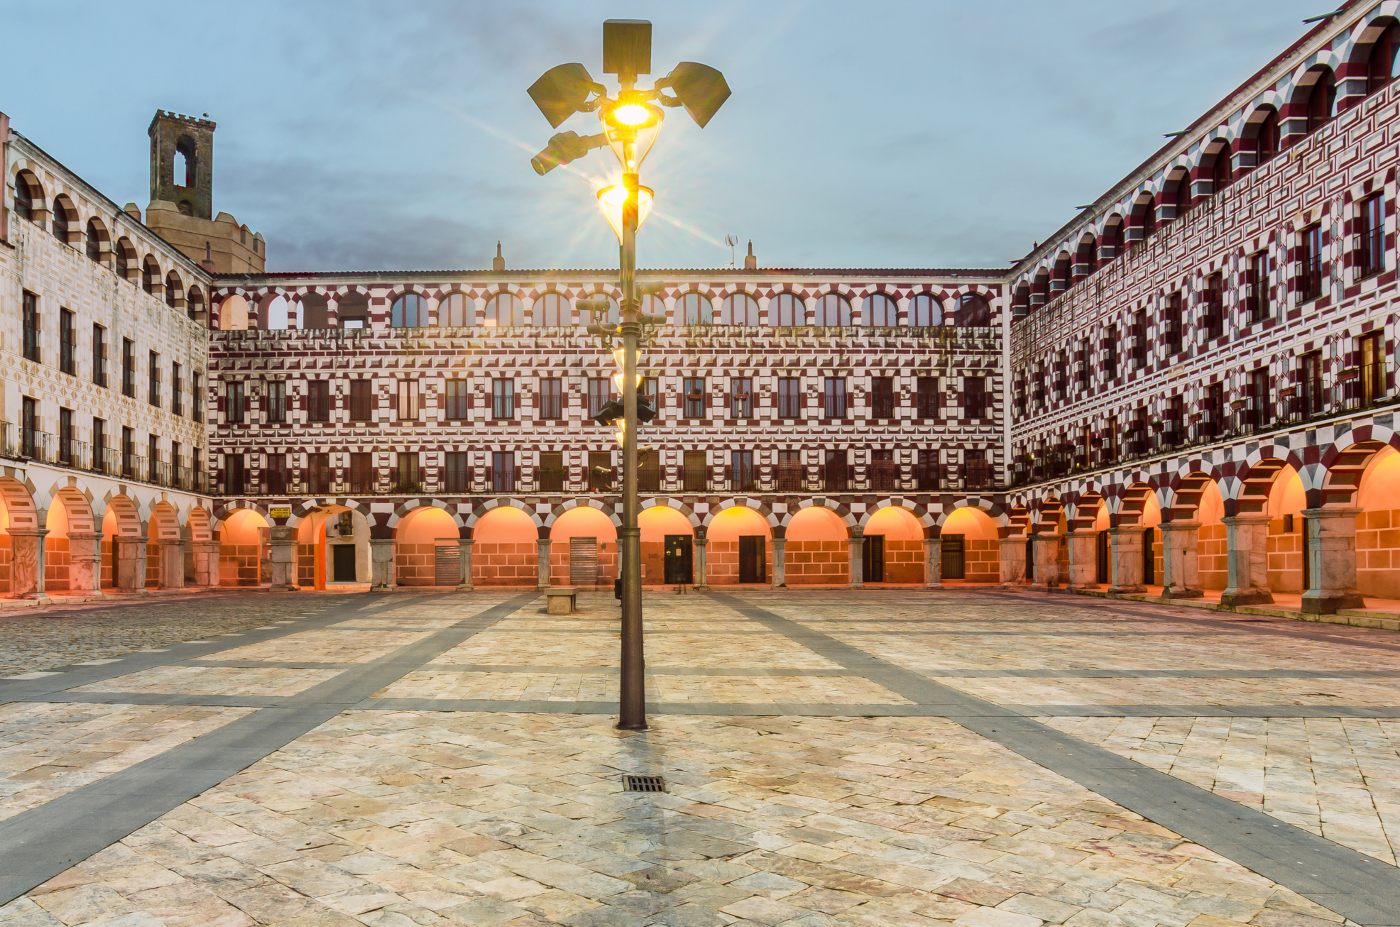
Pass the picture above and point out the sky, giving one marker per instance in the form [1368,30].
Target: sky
[367,134]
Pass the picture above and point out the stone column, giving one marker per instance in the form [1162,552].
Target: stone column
[206,563]
[542,564]
[172,563]
[1083,560]
[281,558]
[1331,553]
[1125,559]
[27,563]
[84,564]
[857,543]
[131,563]
[933,562]
[466,563]
[381,553]
[779,563]
[1013,561]
[700,544]
[1246,540]
[1047,556]
[1181,574]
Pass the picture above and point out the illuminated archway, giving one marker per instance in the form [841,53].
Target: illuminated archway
[583,551]
[1212,550]
[68,546]
[165,561]
[903,543]
[504,549]
[1377,552]
[243,549]
[970,535]
[417,540]
[233,314]
[729,558]
[667,540]
[818,551]
[333,548]
[1285,505]
[123,541]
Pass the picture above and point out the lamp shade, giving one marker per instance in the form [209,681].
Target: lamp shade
[561,91]
[611,200]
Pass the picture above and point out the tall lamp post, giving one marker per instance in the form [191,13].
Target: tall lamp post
[630,121]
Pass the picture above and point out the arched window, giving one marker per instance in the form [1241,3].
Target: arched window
[95,240]
[505,310]
[1180,187]
[125,256]
[1381,57]
[1113,234]
[64,215]
[174,290]
[1063,274]
[1263,129]
[925,311]
[1147,217]
[740,309]
[352,311]
[696,310]
[974,311]
[881,311]
[150,274]
[1222,172]
[786,310]
[1317,93]
[408,311]
[831,310]
[455,311]
[183,170]
[233,314]
[276,314]
[315,314]
[1087,254]
[552,311]
[194,304]
[653,305]
[28,195]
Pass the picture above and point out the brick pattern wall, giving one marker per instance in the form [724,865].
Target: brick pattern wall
[811,563]
[56,563]
[1212,558]
[238,564]
[504,563]
[1378,553]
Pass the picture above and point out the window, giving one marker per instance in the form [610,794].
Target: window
[25,194]
[408,400]
[974,311]
[1259,287]
[551,471]
[740,309]
[361,472]
[31,326]
[502,399]
[1213,421]
[99,355]
[695,475]
[1310,259]
[235,479]
[352,311]
[694,395]
[99,445]
[1171,325]
[65,436]
[408,311]
[1371,358]
[649,469]
[1380,62]
[1140,340]
[927,393]
[884,472]
[1267,136]
[502,471]
[456,474]
[235,402]
[835,473]
[1213,307]
[407,477]
[925,311]
[881,311]
[1322,99]
[696,310]
[789,397]
[197,396]
[458,401]
[177,396]
[599,392]
[551,399]
[977,474]
[786,310]
[275,401]
[29,427]
[196,469]
[1258,413]
[741,397]
[318,473]
[455,311]
[834,397]
[274,474]
[1310,399]
[153,378]
[552,311]
[882,397]
[129,368]
[601,476]
[975,397]
[1372,232]
[832,310]
[791,473]
[504,310]
[1110,356]
[175,474]
[67,338]
[361,402]
[927,471]
[741,471]
[1222,172]
[318,401]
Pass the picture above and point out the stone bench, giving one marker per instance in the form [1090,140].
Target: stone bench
[561,600]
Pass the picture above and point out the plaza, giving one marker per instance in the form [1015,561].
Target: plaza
[986,758]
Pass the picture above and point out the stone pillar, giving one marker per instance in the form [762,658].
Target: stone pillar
[1013,561]
[1331,553]
[857,544]
[933,562]
[1125,559]
[1246,540]
[27,563]
[381,553]
[1083,559]
[542,564]
[700,544]
[281,558]
[206,563]
[466,561]
[131,563]
[779,563]
[84,564]
[172,563]
[1047,560]
[1181,574]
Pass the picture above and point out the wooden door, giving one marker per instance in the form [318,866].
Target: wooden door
[342,563]
[678,568]
[753,558]
[583,561]
[954,556]
[872,557]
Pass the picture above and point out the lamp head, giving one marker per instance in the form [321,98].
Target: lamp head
[612,199]
[700,88]
[562,91]
[626,48]
[611,411]
[564,148]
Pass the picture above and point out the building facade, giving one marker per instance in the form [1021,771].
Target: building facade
[1189,387]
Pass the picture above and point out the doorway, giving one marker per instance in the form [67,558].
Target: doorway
[1307,561]
[1030,557]
[872,558]
[342,563]
[753,557]
[678,568]
[583,561]
[1149,556]
[1101,558]
[954,556]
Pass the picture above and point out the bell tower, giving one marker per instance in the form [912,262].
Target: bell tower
[182,198]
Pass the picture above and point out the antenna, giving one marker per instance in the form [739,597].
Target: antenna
[731,241]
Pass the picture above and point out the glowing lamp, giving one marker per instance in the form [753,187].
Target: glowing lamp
[611,200]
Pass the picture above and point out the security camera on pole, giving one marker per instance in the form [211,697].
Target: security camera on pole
[631,121]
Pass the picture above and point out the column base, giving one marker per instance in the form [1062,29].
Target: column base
[702,588]
[284,587]
[1246,597]
[933,585]
[1183,593]
[1331,604]
[1126,590]
[857,585]
[464,587]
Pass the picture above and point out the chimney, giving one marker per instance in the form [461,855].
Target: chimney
[498,262]
[750,262]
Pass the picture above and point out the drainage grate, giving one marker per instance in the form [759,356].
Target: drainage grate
[643,783]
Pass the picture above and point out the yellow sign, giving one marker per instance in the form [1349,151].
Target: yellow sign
[279,511]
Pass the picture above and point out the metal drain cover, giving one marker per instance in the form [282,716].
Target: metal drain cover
[643,783]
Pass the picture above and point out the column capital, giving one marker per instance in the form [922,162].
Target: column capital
[1330,511]
[1247,518]
[1180,525]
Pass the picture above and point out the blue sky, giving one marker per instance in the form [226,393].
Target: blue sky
[363,134]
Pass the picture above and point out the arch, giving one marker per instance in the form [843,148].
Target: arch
[1178,191]
[727,525]
[352,311]
[696,309]
[233,314]
[314,311]
[1086,255]
[1061,274]
[490,505]
[97,243]
[65,218]
[1375,52]
[880,311]
[831,310]
[150,274]
[194,305]
[417,536]
[1377,524]
[174,291]
[1219,157]
[1262,133]
[677,504]
[243,548]
[71,529]
[29,196]
[653,304]
[552,310]
[817,548]
[19,519]
[199,525]
[786,310]
[1114,236]
[504,310]
[657,523]
[1286,500]
[574,530]
[1254,481]
[969,534]
[740,309]
[1142,219]
[1315,98]
[504,547]
[903,543]
[163,529]
[1212,548]
[333,548]
[275,313]
[123,542]
[925,311]
[408,310]
[124,259]
[974,311]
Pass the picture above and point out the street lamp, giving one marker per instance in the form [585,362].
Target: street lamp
[630,121]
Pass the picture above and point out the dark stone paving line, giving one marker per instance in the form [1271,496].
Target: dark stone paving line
[1352,884]
[1226,673]
[1206,711]
[270,664]
[159,698]
[40,843]
[715,709]
[747,671]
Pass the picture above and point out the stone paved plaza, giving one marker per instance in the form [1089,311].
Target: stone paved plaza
[973,757]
